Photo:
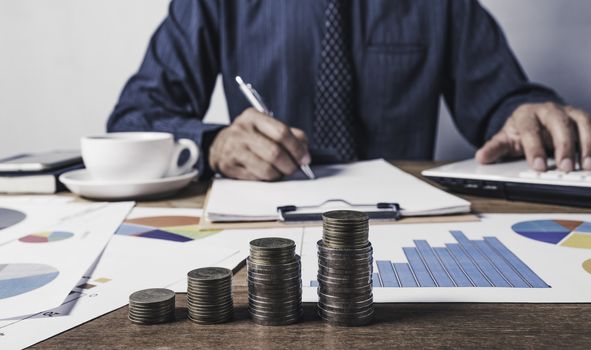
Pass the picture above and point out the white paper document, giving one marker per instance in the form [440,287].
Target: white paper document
[359,184]
[128,264]
[18,215]
[239,242]
[180,226]
[39,268]
[505,258]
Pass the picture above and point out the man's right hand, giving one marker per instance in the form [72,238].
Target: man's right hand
[258,147]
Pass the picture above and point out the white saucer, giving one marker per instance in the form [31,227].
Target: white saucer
[81,183]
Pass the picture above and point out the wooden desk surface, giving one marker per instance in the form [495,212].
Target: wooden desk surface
[396,325]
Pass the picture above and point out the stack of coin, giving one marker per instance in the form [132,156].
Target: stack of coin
[274,282]
[151,306]
[345,266]
[209,295]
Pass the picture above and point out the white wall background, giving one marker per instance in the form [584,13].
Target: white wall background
[64,62]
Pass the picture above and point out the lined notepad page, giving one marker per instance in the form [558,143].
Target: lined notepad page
[361,183]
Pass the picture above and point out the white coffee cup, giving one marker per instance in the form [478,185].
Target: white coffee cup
[132,156]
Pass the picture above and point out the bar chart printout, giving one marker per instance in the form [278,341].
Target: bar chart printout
[466,263]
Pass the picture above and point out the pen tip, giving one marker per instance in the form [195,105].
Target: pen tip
[238,79]
[306,170]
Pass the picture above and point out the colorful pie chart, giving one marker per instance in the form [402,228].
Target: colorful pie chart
[587,265]
[565,233]
[17,279]
[170,228]
[46,237]
[10,217]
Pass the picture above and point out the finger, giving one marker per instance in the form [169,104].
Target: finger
[280,133]
[236,171]
[271,153]
[258,167]
[583,122]
[301,135]
[530,131]
[495,149]
[561,129]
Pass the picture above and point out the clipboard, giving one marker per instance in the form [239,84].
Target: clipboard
[378,211]
[205,224]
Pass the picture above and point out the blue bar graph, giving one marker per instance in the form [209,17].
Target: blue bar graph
[420,270]
[407,279]
[534,280]
[481,261]
[502,266]
[468,266]
[455,270]
[464,263]
[439,273]
[387,275]
[375,280]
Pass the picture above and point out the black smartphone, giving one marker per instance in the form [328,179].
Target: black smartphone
[46,161]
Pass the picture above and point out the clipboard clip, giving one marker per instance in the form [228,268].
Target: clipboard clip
[379,211]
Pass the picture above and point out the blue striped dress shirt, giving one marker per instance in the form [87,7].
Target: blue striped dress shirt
[406,54]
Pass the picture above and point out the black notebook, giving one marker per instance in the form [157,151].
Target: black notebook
[44,182]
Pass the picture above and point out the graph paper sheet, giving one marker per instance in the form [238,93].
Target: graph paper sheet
[538,258]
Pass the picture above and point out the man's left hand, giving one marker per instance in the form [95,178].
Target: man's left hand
[535,128]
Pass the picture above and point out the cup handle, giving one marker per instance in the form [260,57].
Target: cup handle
[183,144]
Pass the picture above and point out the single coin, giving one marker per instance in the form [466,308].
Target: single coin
[273,279]
[210,288]
[207,320]
[151,296]
[343,316]
[272,243]
[293,312]
[322,247]
[345,215]
[347,322]
[152,310]
[344,292]
[206,306]
[209,274]
[345,307]
[210,315]
[268,320]
[156,320]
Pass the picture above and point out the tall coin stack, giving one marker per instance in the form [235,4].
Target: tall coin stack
[274,282]
[151,306]
[209,295]
[345,266]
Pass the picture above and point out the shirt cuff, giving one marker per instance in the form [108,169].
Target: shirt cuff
[203,135]
[208,135]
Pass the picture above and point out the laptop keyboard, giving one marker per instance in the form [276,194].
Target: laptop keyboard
[556,175]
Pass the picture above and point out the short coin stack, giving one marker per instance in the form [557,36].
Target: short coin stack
[151,306]
[274,282]
[345,260]
[209,295]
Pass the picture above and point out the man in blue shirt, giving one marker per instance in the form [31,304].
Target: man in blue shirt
[346,80]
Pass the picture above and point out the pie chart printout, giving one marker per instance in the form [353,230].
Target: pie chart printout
[170,228]
[17,279]
[587,265]
[46,237]
[565,233]
[9,217]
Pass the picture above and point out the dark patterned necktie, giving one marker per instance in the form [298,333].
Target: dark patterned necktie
[334,117]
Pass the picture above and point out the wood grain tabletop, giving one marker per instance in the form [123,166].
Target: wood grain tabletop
[417,326]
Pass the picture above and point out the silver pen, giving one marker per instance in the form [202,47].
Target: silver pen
[257,102]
